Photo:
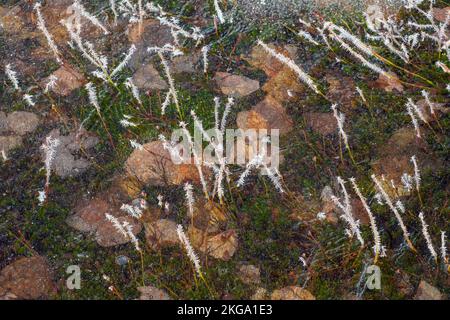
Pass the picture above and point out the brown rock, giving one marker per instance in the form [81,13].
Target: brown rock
[359,212]
[197,237]
[69,79]
[26,278]
[22,122]
[388,83]
[275,115]
[129,185]
[342,90]
[13,20]
[323,123]
[207,216]
[161,233]
[283,84]
[250,274]
[292,293]
[260,59]
[88,217]
[426,291]
[268,114]
[148,78]
[56,11]
[245,150]
[393,170]
[153,165]
[23,67]
[19,22]
[223,246]
[220,246]
[234,85]
[329,208]
[394,159]
[152,293]
[152,33]
[440,14]
[251,119]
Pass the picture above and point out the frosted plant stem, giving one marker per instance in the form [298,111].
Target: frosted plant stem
[417,178]
[427,237]
[444,247]
[189,250]
[388,200]
[373,223]
[291,64]
[171,83]
[48,36]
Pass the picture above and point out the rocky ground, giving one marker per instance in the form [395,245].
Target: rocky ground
[255,244]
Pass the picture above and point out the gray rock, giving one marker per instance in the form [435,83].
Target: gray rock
[153,34]
[184,64]
[14,126]
[22,122]
[148,78]
[65,165]
[7,143]
[67,161]
[122,260]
